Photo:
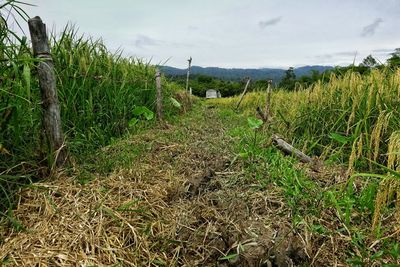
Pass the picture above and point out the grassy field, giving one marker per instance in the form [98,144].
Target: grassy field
[207,189]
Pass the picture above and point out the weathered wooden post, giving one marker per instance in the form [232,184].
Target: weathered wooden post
[244,92]
[188,73]
[159,96]
[190,96]
[48,90]
[268,101]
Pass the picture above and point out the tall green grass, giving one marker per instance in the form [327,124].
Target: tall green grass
[98,89]
[98,93]
[15,102]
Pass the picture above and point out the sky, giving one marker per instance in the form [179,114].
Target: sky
[234,33]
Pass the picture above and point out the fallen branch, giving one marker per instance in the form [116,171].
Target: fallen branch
[289,149]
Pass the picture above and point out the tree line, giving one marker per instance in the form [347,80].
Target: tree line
[201,83]
[291,82]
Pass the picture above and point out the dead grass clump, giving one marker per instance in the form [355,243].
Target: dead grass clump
[111,220]
[185,99]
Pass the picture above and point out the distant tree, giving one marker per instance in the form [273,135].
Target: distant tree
[289,74]
[305,81]
[201,83]
[394,60]
[289,80]
[315,75]
[369,62]
[204,79]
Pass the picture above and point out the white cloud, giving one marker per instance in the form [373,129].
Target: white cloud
[228,33]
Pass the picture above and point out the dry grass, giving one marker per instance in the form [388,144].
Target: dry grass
[180,203]
[177,205]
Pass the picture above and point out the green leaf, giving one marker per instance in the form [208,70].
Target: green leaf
[340,138]
[138,110]
[17,225]
[254,123]
[320,229]
[143,111]
[128,205]
[175,103]
[377,255]
[149,115]
[228,257]
[133,122]
[159,262]
[244,155]
[395,251]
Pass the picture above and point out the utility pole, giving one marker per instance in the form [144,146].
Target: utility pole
[188,74]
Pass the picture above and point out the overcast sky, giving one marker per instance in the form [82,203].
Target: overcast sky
[234,33]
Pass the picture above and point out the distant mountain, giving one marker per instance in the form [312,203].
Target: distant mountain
[237,74]
[306,70]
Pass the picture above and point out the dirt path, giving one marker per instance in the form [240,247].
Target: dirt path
[175,197]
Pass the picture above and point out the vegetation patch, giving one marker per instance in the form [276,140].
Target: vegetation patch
[207,184]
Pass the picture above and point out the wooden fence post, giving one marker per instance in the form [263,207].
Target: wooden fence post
[188,73]
[159,96]
[48,90]
[268,101]
[244,92]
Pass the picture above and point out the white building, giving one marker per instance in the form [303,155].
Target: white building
[212,93]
